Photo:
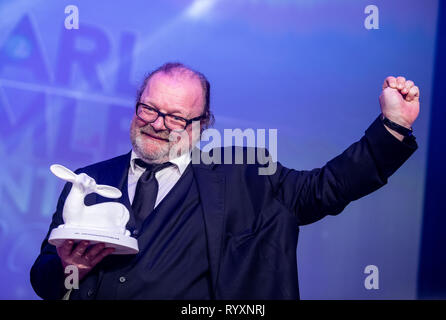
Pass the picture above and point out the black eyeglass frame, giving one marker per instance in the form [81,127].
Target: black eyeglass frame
[163,115]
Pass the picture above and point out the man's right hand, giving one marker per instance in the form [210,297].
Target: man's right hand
[79,256]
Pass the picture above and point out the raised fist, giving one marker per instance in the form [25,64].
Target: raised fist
[400,101]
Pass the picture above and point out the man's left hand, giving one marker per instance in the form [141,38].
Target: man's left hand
[400,101]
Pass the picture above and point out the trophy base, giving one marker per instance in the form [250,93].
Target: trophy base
[122,244]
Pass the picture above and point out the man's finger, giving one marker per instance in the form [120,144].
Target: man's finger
[413,94]
[101,255]
[390,82]
[409,84]
[401,82]
[80,248]
[65,249]
[93,251]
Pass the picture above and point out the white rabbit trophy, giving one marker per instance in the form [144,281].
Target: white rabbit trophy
[103,222]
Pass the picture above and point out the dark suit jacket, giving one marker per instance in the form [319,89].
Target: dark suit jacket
[252,221]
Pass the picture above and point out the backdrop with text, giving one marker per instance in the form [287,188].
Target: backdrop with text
[311,69]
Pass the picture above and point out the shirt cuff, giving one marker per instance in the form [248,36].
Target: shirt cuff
[389,152]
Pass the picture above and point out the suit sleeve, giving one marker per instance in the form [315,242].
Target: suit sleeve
[47,274]
[361,169]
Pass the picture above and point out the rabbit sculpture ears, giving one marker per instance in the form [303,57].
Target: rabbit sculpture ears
[68,175]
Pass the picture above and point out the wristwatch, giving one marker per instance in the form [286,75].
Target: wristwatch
[395,126]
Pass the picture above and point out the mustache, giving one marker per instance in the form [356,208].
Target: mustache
[164,134]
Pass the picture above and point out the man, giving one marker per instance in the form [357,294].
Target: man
[216,231]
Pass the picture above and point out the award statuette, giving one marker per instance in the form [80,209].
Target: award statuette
[103,222]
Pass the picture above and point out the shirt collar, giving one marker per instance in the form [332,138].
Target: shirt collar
[181,162]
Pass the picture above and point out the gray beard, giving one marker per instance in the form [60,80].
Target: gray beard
[151,157]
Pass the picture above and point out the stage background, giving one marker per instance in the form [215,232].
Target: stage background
[307,68]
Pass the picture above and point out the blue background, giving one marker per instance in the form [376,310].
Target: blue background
[307,68]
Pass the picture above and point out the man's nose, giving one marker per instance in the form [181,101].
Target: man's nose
[158,124]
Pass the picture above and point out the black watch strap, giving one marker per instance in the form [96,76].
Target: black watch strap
[395,126]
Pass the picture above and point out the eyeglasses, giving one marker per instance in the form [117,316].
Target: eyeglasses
[149,114]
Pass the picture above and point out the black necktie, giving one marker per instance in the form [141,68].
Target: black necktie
[146,190]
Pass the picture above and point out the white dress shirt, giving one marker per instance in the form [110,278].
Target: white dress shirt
[166,177]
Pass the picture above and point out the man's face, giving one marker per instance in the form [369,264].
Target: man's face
[181,96]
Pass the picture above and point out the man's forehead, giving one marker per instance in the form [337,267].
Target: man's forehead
[170,90]
[186,82]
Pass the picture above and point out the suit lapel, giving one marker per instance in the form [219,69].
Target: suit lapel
[211,187]
[116,176]
[121,178]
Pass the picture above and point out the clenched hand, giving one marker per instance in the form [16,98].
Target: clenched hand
[400,101]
